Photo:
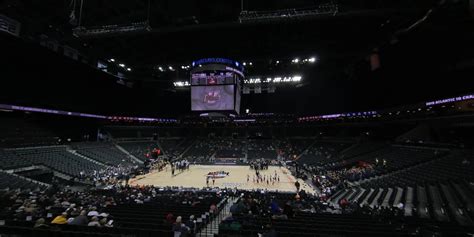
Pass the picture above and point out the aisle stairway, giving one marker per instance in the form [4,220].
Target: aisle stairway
[130,155]
[212,228]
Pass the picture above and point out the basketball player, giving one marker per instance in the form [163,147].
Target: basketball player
[297,185]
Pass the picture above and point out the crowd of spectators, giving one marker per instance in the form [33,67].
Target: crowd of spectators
[330,180]
[63,207]
[110,175]
[54,207]
[251,207]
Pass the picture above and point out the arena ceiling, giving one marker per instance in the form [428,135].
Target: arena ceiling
[185,30]
[182,30]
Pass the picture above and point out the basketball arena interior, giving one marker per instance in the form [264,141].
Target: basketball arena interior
[278,118]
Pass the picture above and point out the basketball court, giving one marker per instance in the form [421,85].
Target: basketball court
[195,177]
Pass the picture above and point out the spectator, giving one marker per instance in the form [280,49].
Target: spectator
[275,208]
[69,220]
[93,212]
[94,222]
[213,208]
[103,222]
[109,223]
[288,210]
[279,216]
[343,203]
[228,218]
[170,218]
[61,219]
[81,219]
[297,185]
[179,228]
[191,224]
[41,223]
[270,231]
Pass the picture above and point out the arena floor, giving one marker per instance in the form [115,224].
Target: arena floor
[195,177]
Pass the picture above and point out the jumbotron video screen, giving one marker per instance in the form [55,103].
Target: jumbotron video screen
[215,85]
[212,98]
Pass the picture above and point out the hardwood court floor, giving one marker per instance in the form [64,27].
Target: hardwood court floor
[195,177]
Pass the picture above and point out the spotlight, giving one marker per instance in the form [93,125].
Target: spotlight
[129,69]
[160,68]
[171,68]
[312,60]
[181,83]
[112,60]
[122,65]
[296,78]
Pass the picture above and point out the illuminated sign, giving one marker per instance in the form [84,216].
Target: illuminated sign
[449,100]
[60,112]
[218,61]
[258,80]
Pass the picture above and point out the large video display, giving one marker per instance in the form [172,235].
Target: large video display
[212,98]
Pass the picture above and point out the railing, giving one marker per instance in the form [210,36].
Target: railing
[324,9]
[111,29]
[212,227]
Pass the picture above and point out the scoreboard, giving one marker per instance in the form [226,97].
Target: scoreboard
[216,85]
